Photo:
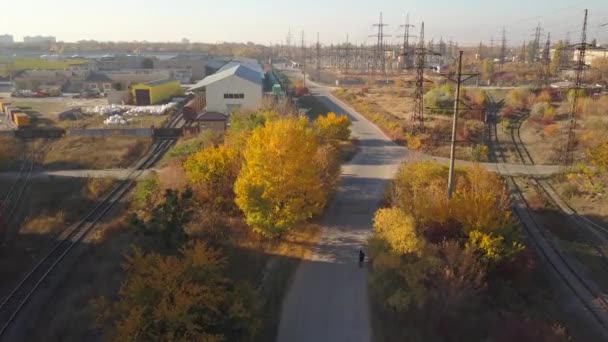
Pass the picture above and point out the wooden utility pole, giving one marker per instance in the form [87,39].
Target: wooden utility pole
[458,80]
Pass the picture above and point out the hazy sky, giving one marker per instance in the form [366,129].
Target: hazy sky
[265,21]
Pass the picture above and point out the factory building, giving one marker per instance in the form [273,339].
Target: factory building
[234,88]
[155,92]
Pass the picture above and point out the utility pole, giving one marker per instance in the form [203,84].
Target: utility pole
[503,48]
[420,52]
[406,42]
[379,56]
[303,59]
[480,56]
[568,155]
[347,56]
[547,60]
[458,80]
[318,48]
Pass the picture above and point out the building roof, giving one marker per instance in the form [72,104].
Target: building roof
[238,70]
[212,116]
[98,77]
[248,62]
[159,82]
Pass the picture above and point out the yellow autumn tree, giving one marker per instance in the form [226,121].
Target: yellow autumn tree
[481,200]
[333,127]
[182,297]
[399,231]
[280,184]
[215,170]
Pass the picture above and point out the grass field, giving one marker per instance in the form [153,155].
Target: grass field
[7,64]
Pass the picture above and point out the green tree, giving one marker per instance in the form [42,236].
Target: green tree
[558,58]
[280,183]
[487,69]
[182,297]
[168,219]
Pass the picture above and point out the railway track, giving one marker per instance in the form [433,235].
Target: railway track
[591,299]
[15,193]
[19,296]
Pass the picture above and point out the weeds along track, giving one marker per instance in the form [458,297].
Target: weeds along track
[548,192]
[15,301]
[590,299]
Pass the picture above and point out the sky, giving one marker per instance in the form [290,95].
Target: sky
[268,21]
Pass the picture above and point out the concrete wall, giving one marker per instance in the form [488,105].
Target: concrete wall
[118,96]
[233,85]
[104,132]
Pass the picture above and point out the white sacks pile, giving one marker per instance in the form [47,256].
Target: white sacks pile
[116,112]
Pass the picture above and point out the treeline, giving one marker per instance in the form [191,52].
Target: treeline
[273,172]
[454,270]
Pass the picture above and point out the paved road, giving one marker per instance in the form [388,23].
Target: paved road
[328,299]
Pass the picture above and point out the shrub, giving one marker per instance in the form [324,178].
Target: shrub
[440,99]
[413,142]
[599,155]
[333,127]
[551,130]
[516,98]
[479,153]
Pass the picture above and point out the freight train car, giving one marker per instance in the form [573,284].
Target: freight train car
[21,120]
[194,107]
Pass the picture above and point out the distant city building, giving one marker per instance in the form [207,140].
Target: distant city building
[6,39]
[592,54]
[121,62]
[39,39]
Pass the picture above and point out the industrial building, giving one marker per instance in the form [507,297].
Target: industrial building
[6,39]
[155,92]
[235,88]
[196,65]
[39,40]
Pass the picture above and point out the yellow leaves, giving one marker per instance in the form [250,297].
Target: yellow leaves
[178,297]
[399,230]
[333,127]
[599,155]
[280,183]
[488,245]
[211,164]
[413,142]
[481,200]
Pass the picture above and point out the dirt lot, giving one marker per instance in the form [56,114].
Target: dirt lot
[44,113]
[92,152]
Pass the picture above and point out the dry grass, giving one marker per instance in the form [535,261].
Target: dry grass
[391,108]
[10,153]
[94,152]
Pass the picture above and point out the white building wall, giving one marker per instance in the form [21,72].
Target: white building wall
[233,85]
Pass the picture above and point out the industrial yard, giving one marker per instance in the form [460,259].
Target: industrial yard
[385,172]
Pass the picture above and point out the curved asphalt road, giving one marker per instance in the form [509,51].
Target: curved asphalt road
[328,299]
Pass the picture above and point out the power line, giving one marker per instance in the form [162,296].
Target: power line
[568,155]
[406,44]
[420,52]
